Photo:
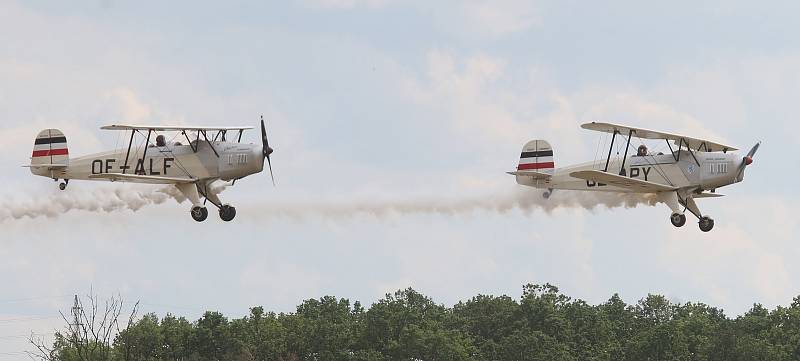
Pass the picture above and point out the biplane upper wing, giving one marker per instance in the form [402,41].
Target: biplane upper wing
[632,184]
[138,178]
[168,128]
[694,143]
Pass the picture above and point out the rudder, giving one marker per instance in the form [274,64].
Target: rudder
[537,155]
[50,148]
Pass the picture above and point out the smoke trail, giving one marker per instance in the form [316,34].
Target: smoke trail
[134,197]
[526,200]
[102,199]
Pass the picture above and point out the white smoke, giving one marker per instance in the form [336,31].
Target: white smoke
[526,200]
[114,198]
[104,199]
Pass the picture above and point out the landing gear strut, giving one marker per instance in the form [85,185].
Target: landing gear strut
[678,219]
[199,213]
[706,224]
[227,213]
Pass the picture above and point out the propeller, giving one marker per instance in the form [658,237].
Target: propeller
[747,160]
[266,148]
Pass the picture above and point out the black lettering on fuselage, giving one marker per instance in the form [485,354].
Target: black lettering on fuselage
[97,166]
[109,163]
[636,172]
[152,172]
[100,166]
[139,167]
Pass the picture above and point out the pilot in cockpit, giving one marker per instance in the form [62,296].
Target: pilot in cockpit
[642,151]
[161,141]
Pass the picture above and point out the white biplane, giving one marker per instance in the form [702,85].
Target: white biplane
[209,154]
[692,170]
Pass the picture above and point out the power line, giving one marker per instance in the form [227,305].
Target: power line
[15,300]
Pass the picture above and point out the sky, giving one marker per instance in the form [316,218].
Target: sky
[381,102]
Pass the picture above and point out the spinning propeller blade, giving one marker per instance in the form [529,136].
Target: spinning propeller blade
[747,160]
[266,148]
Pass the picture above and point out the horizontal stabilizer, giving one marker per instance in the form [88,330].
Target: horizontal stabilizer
[45,166]
[532,174]
[136,178]
[632,184]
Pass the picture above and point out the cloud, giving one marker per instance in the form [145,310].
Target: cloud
[345,4]
[501,17]
[468,18]
[745,259]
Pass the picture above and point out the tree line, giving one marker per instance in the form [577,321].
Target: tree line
[543,324]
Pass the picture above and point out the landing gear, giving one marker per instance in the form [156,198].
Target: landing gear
[227,213]
[63,185]
[548,193]
[199,213]
[677,219]
[706,224]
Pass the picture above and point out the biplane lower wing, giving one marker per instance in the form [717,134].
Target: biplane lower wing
[708,195]
[137,178]
[632,184]
[532,174]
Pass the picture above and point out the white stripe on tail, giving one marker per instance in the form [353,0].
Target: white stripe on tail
[50,149]
[537,155]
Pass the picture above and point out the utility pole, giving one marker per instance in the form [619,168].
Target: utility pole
[75,327]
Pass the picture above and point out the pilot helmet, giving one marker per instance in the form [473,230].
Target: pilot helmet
[642,150]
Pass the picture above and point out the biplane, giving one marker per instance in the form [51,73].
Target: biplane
[692,169]
[208,154]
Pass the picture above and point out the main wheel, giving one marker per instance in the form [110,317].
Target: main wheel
[227,213]
[62,186]
[706,224]
[199,213]
[677,219]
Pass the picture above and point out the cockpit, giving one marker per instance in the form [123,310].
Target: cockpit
[161,141]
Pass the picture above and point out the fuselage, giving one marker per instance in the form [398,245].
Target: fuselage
[232,161]
[714,170]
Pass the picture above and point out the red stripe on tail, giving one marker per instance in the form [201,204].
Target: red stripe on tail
[47,153]
[536,166]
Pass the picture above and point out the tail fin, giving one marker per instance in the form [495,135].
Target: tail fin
[537,155]
[50,149]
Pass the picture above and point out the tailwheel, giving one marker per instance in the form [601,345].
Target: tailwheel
[706,224]
[63,185]
[677,219]
[548,193]
[227,213]
[199,213]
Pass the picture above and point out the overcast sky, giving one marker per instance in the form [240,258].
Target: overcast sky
[395,101]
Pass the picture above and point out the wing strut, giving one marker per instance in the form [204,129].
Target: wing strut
[128,154]
[205,136]
[624,158]
[144,154]
[613,136]
[611,149]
